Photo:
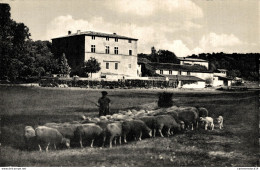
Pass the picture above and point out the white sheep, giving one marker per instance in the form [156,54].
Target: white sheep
[208,121]
[220,122]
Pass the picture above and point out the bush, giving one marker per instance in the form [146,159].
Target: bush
[54,82]
[165,100]
[208,81]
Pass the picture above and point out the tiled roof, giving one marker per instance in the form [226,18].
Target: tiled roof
[191,59]
[178,67]
[98,34]
[143,60]
[185,78]
[223,78]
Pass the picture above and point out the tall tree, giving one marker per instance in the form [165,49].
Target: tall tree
[12,38]
[92,66]
[64,67]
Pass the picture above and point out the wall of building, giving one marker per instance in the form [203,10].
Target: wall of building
[217,82]
[166,72]
[198,84]
[73,47]
[206,64]
[100,42]
[223,74]
[127,64]
[203,76]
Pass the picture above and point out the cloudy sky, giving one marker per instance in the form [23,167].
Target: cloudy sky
[183,26]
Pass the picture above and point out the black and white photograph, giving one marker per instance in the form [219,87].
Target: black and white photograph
[129,83]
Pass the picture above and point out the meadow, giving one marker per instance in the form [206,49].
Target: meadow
[235,145]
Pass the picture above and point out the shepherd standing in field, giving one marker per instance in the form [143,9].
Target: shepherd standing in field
[104,103]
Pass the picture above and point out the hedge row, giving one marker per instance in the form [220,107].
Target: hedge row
[108,84]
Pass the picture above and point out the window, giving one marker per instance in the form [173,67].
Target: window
[107,65]
[129,41]
[116,66]
[93,48]
[107,49]
[170,72]
[107,38]
[188,73]
[129,65]
[93,37]
[161,71]
[116,50]
[130,52]
[116,39]
[179,72]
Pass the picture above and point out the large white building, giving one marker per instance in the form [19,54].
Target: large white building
[117,54]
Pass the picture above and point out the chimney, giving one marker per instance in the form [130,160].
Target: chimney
[69,32]
[78,31]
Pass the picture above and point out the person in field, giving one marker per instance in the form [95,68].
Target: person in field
[104,103]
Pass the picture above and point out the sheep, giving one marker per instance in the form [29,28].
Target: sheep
[220,122]
[102,118]
[88,131]
[46,135]
[136,127]
[203,112]
[189,116]
[96,119]
[208,122]
[150,121]
[29,136]
[114,130]
[66,129]
[166,121]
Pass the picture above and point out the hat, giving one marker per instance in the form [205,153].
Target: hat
[104,92]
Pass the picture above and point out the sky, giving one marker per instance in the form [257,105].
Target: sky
[184,27]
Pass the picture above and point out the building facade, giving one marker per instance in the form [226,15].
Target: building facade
[193,61]
[116,54]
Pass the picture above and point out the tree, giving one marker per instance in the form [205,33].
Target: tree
[208,80]
[64,67]
[12,39]
[233,73]
[91,66]
[166,56]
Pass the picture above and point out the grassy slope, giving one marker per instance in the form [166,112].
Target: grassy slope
[236,145]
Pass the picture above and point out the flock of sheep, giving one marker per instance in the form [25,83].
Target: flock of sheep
[123,126]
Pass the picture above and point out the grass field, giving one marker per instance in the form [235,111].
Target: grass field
[235,145]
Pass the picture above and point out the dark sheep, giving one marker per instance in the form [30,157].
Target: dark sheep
[174,114]
[50,136]
[88,132]
[136,127]
[150,121]
[203,112]
[167,122]
[189,116]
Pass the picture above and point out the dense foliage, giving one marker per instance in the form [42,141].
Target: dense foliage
[63,66]
[238,65]
[91,66]
[21,58]
[161,56]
